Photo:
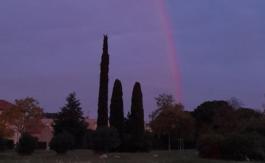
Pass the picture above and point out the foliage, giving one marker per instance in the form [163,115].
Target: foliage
[137,113]
[162,101]
[232,146]
[250,121]
[102,120]
[24,116]
[116,108]
[171,120]
[62,142]
[134,127]
[70,119]
[214,116]
[6,144]
[105,139]
[243,147]
[5,130]
[88,139]
[26,144]
[209,146]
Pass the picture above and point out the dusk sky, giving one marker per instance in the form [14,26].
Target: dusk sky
[196,50]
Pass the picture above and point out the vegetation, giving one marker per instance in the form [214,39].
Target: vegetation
[70,120]
[62,142]
[24,116]
[105,139]
[116,119]
[102,120]
[137,118]
[6,144]
[230,133]
[172,121]
[26,144]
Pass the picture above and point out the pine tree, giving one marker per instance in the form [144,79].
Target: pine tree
[102,120]
[116,108]
[70,120]
[137,113]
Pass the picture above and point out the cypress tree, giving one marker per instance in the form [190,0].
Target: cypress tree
[137,113]
[102,120]
[116,108]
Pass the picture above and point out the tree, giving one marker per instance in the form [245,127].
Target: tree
[105,139]
[103,86]
[26,144]
[70,119]
[162,101]
[5,130]
[215,116]
[25,116]
[171,120]
[62,142]
[116,108]
[137,113]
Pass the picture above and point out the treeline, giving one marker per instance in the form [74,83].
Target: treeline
[218,129]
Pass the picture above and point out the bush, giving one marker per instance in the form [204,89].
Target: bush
[6,144]
[209,146]
[243,147]
[238,147]
[26,144]
[41,145]
[131,145]
[88,139]
[3,144]
[105,139]
[62,142]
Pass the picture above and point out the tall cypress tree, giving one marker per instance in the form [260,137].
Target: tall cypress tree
[102,120]
[137,113]
[116,108]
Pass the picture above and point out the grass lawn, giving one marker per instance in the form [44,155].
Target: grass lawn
[85,156]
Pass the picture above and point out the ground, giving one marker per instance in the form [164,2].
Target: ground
[85,156]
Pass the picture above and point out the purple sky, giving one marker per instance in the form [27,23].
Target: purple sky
[51,48]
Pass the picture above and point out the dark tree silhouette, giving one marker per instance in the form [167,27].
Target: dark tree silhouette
[137,113]
[116,108]
[103,86]
[70,119]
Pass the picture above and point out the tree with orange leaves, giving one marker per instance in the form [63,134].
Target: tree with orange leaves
[24,117]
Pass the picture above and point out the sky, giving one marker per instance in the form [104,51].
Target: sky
[194,50]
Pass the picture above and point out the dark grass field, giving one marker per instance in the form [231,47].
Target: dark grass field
[86,156]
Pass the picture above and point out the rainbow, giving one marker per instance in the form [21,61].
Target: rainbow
[171,48]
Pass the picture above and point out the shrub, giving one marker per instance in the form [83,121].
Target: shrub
[131,145]
[209,146]
[3,144]
[88,139]
[41,145]
[62,142]
[26,144]
[9,144]
[237,146]
[243,146]
[105,139]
